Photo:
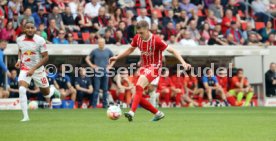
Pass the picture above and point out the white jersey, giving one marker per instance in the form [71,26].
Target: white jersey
[31,50]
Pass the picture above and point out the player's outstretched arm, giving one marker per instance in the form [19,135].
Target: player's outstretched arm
[178,56]
[122,55]
[44,60]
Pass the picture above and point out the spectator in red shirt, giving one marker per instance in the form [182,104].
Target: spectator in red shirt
[164,88]
[19,29]
[226,21]
[168,31]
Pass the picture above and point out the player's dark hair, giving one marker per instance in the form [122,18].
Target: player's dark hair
[239,70]
[142,24]
[29,22]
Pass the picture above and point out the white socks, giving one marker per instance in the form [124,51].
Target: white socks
[23,102]
[131,113]
[52,90]
[158,113]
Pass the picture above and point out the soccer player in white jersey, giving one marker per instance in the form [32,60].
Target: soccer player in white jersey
[32,55]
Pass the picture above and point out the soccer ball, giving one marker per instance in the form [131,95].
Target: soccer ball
[114,112]
[33,105]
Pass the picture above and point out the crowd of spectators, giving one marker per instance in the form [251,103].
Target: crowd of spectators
[190,23]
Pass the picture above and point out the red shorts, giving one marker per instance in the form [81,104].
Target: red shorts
[150,72]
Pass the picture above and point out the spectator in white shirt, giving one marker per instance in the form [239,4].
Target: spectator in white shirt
[143,16]
[187,40]
[91,9]
[74,7]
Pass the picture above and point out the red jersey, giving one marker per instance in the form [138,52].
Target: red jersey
[235,80]
[225,21]
[191,82]
[164,82]
[151,50]
[178,82]
[223,82]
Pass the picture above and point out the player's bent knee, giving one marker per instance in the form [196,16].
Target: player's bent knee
[142,81]
[24,84]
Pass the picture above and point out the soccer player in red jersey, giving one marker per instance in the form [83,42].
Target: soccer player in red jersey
[240,87]
[151,47]
[178,86]
[223,82]
[165,86]
[191,87]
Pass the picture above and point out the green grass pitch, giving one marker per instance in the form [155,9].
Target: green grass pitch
[181,124]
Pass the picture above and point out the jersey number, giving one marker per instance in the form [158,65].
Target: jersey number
[44,80]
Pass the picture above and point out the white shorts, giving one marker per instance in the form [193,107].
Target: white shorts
[39,77]
[155,81]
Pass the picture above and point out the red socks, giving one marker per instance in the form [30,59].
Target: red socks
[147,105]
[178,98]
[121,97]
[200,99]
[167,98]
[138,99]
[231,100]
